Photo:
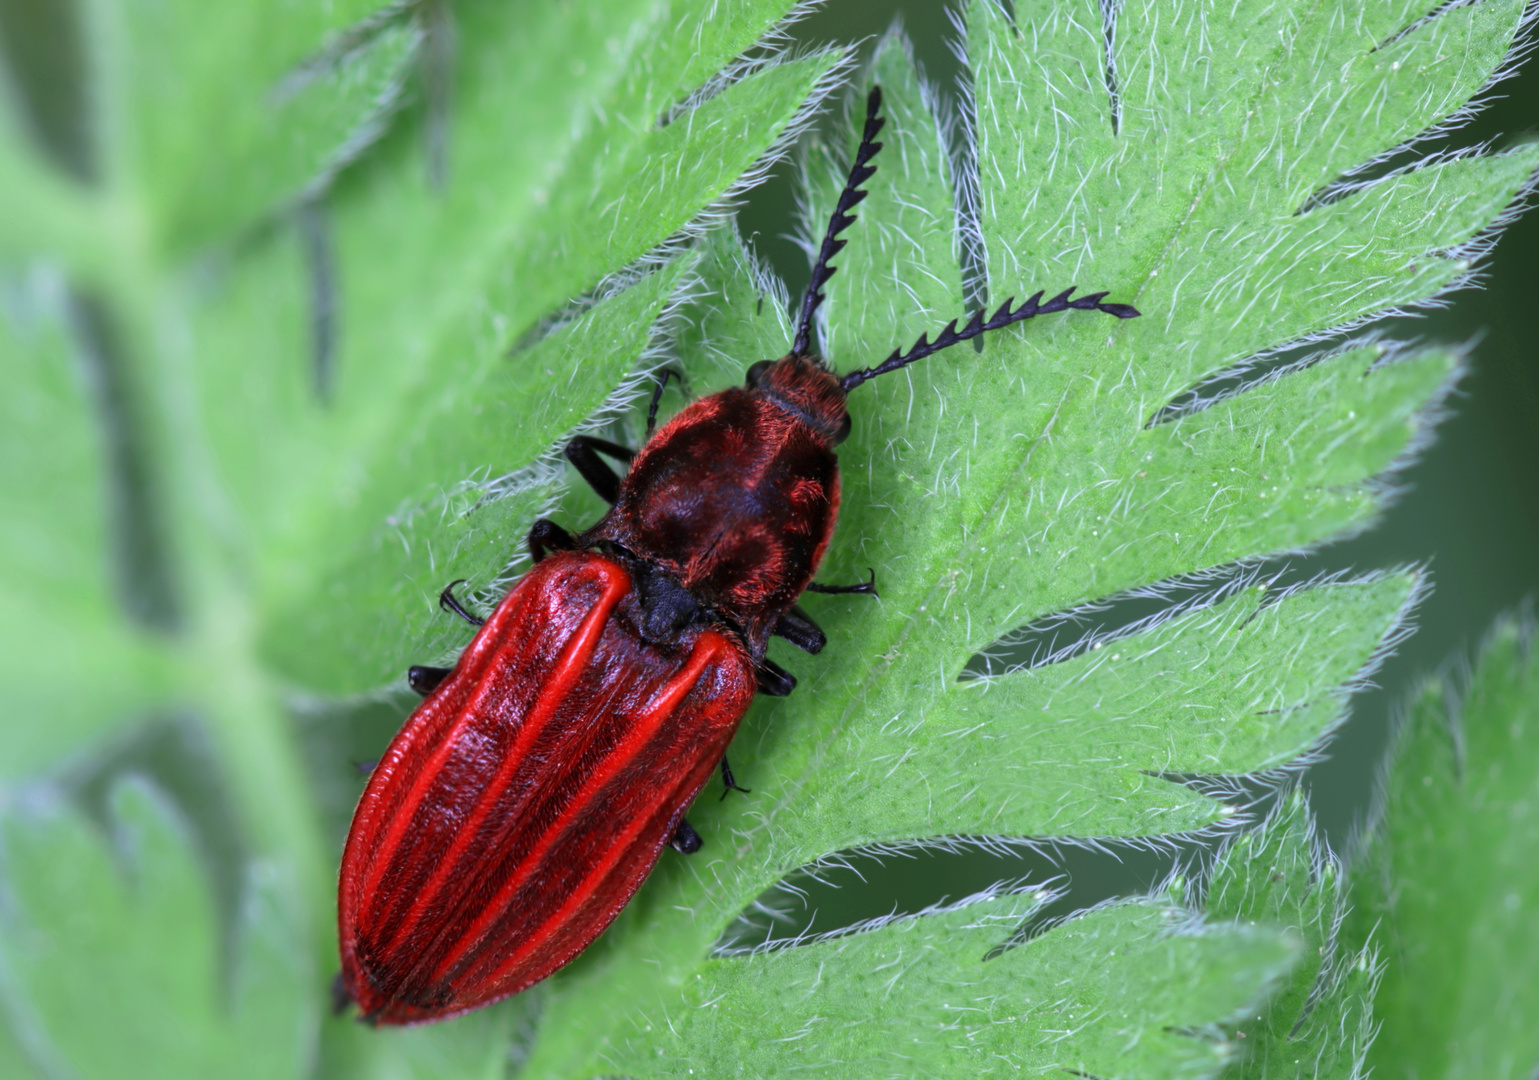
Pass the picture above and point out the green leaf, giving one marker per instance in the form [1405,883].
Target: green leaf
[62,576]
[737,309]
[1249,684]
[232,109]
[477,531]
[1320,1023]
[474,1047]
[1447,887]
[12,1060]
[107,937]
[45,210]
[1145,979]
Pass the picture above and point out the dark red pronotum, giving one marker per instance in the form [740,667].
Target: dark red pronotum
[527,798]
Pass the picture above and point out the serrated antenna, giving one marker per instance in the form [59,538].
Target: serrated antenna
[976,326]
[842,219]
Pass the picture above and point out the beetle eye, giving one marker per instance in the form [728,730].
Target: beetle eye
[756,372]
[844,430]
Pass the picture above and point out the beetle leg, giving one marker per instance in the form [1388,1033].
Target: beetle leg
[797,627]
[657,396]
[775,680]
[447,601]
[546,536]
[340,998]
[731,781]
[583,452]
[685,839]
[864,587]
[424,680]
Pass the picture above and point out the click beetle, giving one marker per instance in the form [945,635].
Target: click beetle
[526,799]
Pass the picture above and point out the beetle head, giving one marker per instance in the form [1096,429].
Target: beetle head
[807,390]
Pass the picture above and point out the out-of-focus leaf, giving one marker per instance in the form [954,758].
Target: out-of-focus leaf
[1448,887]
[229,110]
[120,965]
[74,666]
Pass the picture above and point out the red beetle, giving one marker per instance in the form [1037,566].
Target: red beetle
[527,798]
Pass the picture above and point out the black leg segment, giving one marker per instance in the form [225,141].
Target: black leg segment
[866,587]
[797,627]
[775,680]
[583,452]
[340,998]
[730,780]
[685,839]
[424,680]
[657,396]
[547,536]
[447,601]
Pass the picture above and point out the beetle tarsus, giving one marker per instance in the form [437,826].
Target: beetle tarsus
[686,840]
[448,602]
[731,781]
[797,627]
[340,998]
[866,587]
[775,680]
[424,680]
[546,536]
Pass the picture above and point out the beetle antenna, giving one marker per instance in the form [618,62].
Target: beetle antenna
[976,326]
[842,219]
